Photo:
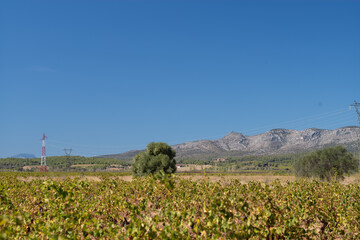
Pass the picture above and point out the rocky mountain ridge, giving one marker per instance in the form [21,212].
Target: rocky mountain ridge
[275,141]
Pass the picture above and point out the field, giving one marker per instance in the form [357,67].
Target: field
[108,206]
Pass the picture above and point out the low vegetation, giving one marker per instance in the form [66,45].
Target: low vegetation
[175,208]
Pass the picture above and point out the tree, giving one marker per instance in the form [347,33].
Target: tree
[157,156]
[326,164]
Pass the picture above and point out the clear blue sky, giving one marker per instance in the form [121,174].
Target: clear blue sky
[105,77]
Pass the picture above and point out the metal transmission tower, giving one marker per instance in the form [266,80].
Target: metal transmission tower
[356,105]
[43,167]
[67,153]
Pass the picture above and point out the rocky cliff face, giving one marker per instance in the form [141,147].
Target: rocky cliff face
[276,141]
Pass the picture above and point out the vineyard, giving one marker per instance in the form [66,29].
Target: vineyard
[175,208]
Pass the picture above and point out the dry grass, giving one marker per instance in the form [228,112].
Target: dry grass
[191,167]
[84,165]
[89,178]
[31,167]
[241,178]
[354,179]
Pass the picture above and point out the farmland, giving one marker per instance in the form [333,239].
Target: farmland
[109,205]
[276,164]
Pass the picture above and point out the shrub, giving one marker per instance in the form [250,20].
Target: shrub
[326,164]
[157,156]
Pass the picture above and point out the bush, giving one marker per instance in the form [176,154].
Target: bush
[326,164]
[158,156]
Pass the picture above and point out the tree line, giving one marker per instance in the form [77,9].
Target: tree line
[62,163]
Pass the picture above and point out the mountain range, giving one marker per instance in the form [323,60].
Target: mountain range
[275,141]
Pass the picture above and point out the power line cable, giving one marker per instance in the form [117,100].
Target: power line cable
[332,118]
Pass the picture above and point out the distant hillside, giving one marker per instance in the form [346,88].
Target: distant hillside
[276,141]
[24,155]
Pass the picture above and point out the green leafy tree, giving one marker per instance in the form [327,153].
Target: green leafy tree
[326,164]
[158,156]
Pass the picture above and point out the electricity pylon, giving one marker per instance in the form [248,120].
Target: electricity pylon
[356,105]
[43,167]
[67,153]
